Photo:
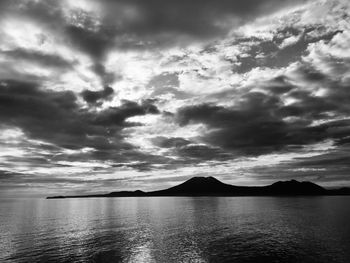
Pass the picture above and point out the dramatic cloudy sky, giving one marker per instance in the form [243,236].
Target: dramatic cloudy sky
[109,95]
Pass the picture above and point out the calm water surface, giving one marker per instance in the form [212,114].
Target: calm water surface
[181,229]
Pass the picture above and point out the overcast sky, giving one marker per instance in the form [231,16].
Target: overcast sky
[98,96]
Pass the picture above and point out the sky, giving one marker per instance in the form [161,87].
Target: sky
[100,96]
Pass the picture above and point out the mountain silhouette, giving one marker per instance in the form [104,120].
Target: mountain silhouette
[210,186]
[198,186]
[294,187]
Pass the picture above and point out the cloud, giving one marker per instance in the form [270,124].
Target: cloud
[264,122]
[287,45]
[202,153]
[131,91]
[176,17]
[56,117]
[249,129]
[189,151]
[165,142]
[135,24]
[92,97]
[46,60]
[118,115]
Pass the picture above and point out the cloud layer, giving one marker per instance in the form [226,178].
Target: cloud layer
[142,94]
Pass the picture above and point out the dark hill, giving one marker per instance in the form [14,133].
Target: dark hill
[199,186]
[294,187]
[210,186]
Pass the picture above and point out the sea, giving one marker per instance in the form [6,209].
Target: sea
[176,229]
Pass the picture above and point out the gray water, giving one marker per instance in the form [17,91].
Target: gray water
[180,229]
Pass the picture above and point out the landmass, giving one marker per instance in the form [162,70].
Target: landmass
[210,186]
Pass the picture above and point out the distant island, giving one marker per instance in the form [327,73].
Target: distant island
[210,186]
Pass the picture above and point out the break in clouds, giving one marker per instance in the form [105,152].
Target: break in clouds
[109,95]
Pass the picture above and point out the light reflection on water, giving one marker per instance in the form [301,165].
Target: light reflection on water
[181,229]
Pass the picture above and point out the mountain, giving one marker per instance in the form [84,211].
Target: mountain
[210,186]
[294,187]
[200,186]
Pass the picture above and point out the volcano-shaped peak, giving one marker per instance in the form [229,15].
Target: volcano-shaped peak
[200,185]
[202,179]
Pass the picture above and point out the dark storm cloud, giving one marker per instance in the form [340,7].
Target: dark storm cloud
[55,117]
[177,16]
[96,43]
[92,97]
[51,116]
[250,129]
[261,123]
[117,116]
